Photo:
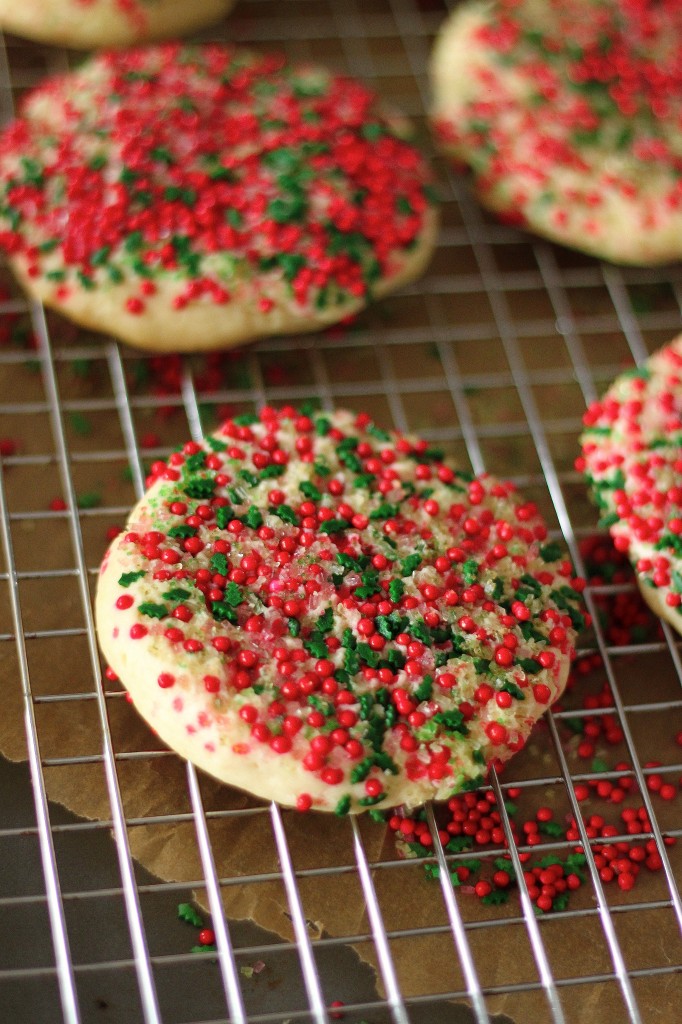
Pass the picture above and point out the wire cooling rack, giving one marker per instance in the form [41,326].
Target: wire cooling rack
[494,355]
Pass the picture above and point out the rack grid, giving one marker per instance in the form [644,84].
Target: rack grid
[494,355]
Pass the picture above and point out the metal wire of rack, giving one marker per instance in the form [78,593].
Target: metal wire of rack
[499,323]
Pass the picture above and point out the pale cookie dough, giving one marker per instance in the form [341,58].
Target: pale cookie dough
[326,615]
[570,123]
[632,458]
[92,24]
[197,197]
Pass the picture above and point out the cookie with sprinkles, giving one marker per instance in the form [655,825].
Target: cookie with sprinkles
[325,614]
[632,459]
[187,197]
[90,24]
[569,117]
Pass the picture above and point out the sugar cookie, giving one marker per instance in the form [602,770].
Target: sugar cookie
[91,24]
[569,116]
[199,197]
[633,463]
[324,614]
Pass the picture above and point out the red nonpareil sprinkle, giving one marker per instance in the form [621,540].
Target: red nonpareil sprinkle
[8,446]
[550,877]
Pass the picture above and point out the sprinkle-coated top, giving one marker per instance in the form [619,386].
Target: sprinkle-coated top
[209,175]
[631,458]
[569,115]
[326,614]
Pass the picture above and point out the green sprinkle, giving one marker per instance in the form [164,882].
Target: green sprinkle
[551,552]
[496,898]
[364,480]
[250,478]
[334,526]
[325,621]
[186,912]
[530,633]
[410,564]
[253,518]
[176,594]
[529,665]
[100,256]
[316,646]
[154,611]
[310,490]
[285,209]
[385,511]
[200,487]
[396,589]
[182,531]
[343,806]
[459,843]
[374,431]
[222,611]
[269,472]
[294,627]
[452,720]
[350,563]
[351,661]
[81,424]
[370,801]
[470,571]
[218,564]
[89,499]
[233,594]
[216,445]
[551,828]
[350,461]
[372,132]
[195,462]
[130,577]
[362,770]
[81,368]
[425,689]
[285,513]
[513,689]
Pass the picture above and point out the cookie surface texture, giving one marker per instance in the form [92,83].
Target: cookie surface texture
[198,197]
[569,116]
[91,24]
[632,457]
[324,614]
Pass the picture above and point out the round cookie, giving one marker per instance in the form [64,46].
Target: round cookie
[569,116]
[90,24]
[187,197]
[632,459]
[324,614]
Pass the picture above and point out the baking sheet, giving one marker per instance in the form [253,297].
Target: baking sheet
[492,355]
